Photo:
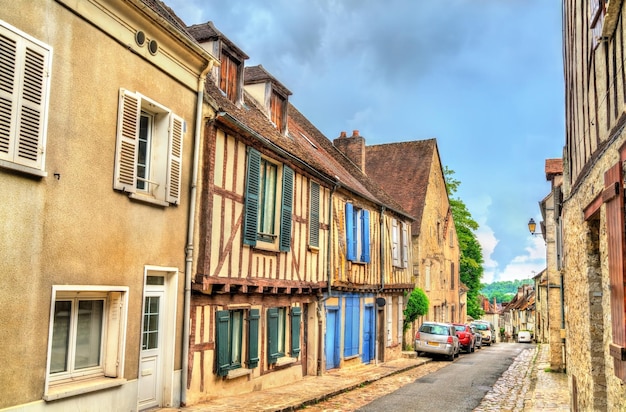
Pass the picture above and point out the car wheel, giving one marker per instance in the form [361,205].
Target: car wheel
[451,357]
[472,349]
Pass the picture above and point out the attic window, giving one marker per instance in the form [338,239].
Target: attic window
[229,76]
[277,110]
[308,140]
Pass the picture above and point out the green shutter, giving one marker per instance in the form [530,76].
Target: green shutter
[314,221]
[285,211]
[253,338]
[296,315]
[272,335]
[350,235]
[252,197]
[221,342]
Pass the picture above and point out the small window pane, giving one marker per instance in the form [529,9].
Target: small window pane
[88,333]
[281,330]
[150,336]
[60,336]
[267,198]
[155,280]
[235,344]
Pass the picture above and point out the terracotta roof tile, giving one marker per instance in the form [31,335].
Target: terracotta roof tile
[553,167]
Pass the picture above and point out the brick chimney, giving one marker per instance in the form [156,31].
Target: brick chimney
[353,147]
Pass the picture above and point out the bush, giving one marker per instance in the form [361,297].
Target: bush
[416,306]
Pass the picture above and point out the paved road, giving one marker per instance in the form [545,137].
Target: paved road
[460,386]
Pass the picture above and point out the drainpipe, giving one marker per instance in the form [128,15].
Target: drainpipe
[382,248]
[320,324]
[190,230]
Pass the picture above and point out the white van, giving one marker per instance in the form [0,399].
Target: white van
[523,336]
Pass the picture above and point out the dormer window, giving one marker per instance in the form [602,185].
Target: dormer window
[229,76]
[277,110]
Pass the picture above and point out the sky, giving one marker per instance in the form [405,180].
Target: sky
[483,77]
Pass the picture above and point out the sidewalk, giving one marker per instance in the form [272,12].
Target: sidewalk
[525,386]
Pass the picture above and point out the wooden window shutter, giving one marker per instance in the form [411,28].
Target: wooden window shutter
[395,242]
[24,69]
[613,196]
[129,112]
[113,333]
[272,335]
[365,247]
[405,245]
[350,233]
[253,338]
[314,219]
[175,159]
[228,76]
[285,211]
[296,315]
[222,340]
[277,104]
[252,197]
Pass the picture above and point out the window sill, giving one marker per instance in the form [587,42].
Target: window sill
[147,199]
[239,372]
[314,249]
[286,360]
[22,169]
[75,388]
[346,358]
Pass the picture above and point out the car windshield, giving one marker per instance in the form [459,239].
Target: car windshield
[480,326]
[460,328]
[434,329]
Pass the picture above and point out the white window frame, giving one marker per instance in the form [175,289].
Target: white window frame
[163,181]
[23,138]
[399,243]
[110,370]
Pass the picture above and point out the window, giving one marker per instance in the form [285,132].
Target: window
[357,234]
[277,110]
[25,69]
[148,157]
[351,329]
[229,76]
[86,336]
[452,275]
[277,333]
[596,21]
[230,338]
[314,219]
[400,246]
[262,200]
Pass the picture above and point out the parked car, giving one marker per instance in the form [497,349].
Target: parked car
[467,339]
[478,343]
[437,338]
[487,331]
[524,336]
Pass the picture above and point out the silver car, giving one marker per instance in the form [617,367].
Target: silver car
[437,339]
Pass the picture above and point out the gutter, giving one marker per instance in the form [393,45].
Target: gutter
[190,231]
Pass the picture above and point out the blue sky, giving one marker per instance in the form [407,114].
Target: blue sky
[483,77]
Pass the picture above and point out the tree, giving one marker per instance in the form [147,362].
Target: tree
[471,260]
[416,306]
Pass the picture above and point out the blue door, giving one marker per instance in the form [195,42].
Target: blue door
[368,334]
[331,344]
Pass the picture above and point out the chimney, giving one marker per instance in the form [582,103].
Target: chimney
[352,147]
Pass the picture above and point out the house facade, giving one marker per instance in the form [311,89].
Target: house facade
[98,104]
[592,212]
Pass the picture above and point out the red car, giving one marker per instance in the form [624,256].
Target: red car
[467,339]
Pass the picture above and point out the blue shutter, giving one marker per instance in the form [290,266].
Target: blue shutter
[285,211]
[350,235]
[222,342]
[365,242]
[314,220]
[253,338]
[252,197]
[351,330]
[272,335]
[296,315]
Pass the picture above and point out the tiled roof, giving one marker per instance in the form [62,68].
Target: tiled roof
[553,167]
[207,32]
[258,74]
[403,170]
[168,14]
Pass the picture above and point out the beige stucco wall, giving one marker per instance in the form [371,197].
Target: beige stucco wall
[71,227]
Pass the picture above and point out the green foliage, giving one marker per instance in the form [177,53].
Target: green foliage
[504,290]
[471,260]
[416,306]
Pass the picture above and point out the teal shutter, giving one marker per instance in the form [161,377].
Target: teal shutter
[296,315]
[314,220]
[252,197]
[221,342]
[365,242]
[253,338]
[272,335]
[285,211]
[350,235]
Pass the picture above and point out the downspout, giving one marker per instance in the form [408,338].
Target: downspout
[382,248]
[320,323]
[190,230]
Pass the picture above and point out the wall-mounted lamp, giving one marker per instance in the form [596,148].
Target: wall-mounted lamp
[532,226]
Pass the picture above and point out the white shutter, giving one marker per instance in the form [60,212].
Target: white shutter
[174,160]
[405,245]
[128,116]
[112,344]
[24,84]
[395,244]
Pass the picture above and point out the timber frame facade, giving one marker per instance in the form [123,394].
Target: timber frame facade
[592,216]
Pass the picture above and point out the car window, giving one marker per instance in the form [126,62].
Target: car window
[460,328]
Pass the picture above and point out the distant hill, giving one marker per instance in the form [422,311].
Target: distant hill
[503,291]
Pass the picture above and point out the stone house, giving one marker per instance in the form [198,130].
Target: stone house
[592,214]
[98,118]
[519,313]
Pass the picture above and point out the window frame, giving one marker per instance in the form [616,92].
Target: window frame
[23,148]
[244,338]
[166,144]
[110,368]
[283,335]
[230,73]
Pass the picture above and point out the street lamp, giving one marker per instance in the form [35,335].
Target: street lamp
[532,226]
